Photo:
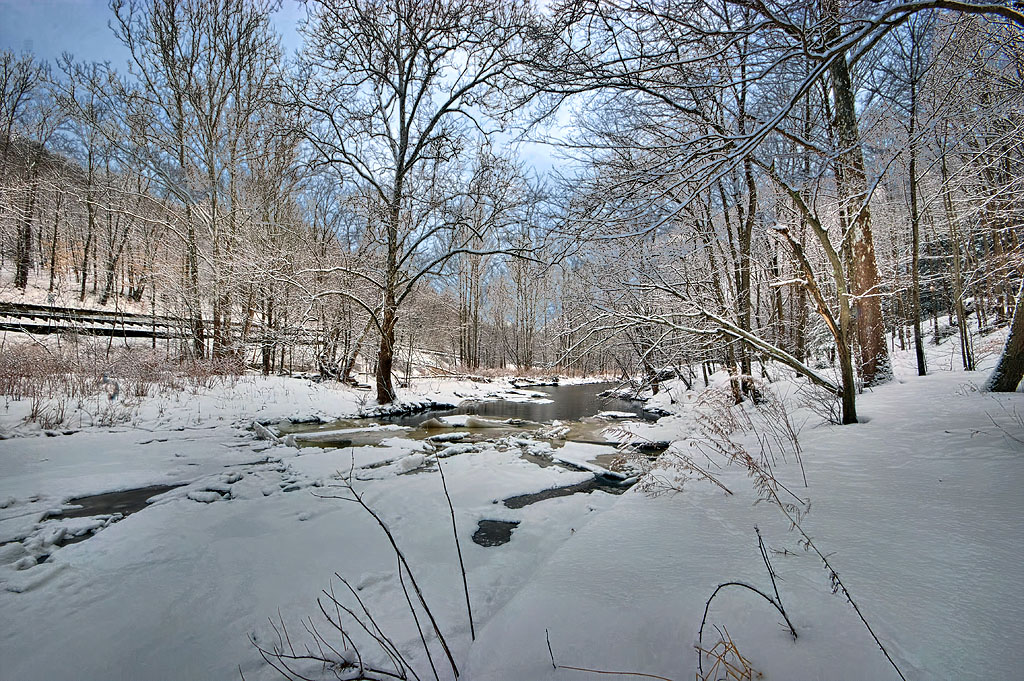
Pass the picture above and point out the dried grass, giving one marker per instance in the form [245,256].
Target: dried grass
[725,661]
[55,378]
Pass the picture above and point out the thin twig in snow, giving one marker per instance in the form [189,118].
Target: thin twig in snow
[547,635]
[458,549]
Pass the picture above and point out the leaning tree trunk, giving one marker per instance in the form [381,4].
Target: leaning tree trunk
[345,376]
[1010,369]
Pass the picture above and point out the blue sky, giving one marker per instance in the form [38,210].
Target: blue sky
[48,28]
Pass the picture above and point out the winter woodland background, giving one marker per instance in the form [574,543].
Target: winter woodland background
[830,180]
[768,219]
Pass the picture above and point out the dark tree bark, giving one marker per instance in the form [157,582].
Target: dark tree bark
[869,330]
[915,228]
[23,251]
[1010,369]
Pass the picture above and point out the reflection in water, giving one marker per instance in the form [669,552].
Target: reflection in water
[125,502]
[572,405]
[587,486]
[567,403]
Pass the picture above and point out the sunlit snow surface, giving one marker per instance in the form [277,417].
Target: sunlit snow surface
[918,508]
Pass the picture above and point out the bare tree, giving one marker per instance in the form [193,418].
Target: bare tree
[203,68]
[394,91]
[20,80]
[685,97]
[40,119]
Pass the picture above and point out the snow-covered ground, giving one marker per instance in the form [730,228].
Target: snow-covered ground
[66,293]
[917,508]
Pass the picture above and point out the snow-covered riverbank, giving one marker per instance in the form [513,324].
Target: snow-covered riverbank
[917,509]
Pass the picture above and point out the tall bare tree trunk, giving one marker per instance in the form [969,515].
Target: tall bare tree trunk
[58,204]
[23,252]
[915,237]
[389,305]
[192,288]
[868,327]
[966,350]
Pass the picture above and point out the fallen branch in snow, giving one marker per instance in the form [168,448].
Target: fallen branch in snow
[717,427]
[769,491]
[547,635]
[776,603]
[403,566]
[283,655]
[285,659]
[768,487]
[837,586]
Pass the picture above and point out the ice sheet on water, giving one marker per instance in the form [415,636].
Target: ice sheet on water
[328,435]
[612,415]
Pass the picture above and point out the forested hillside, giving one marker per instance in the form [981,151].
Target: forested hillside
[820,182]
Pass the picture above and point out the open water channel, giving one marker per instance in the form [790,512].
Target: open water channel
[571,410]
[556,414]
[574,406]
